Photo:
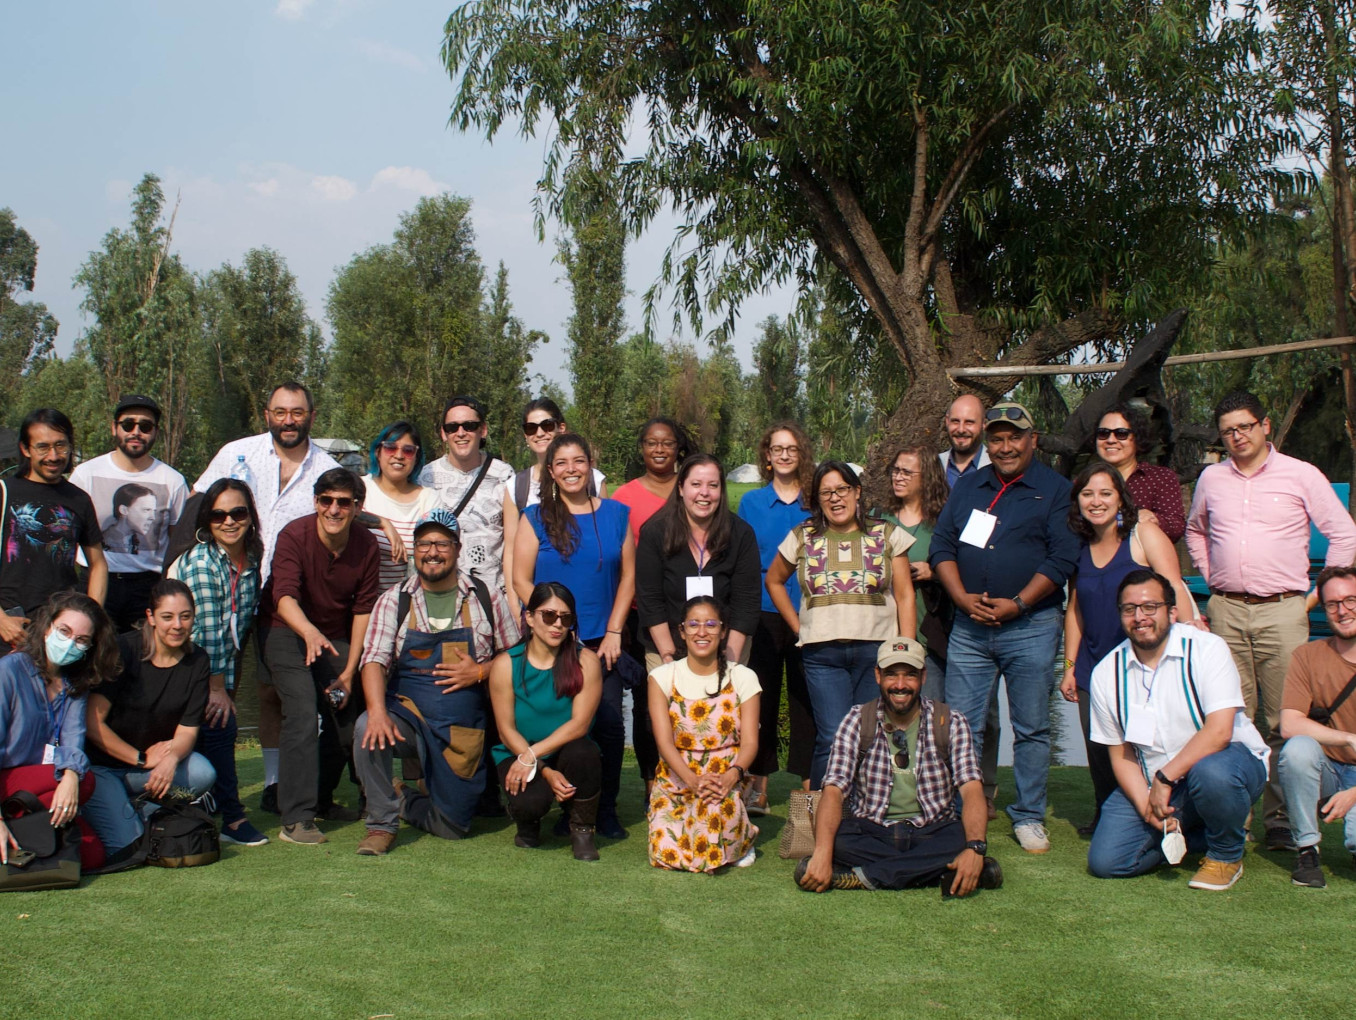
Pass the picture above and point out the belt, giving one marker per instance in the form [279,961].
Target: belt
[1256,600]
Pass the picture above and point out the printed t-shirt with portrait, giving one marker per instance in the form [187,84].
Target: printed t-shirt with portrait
[136,510]
[44,527]
[845,581]
[148,702]
[482,519]
[402,516]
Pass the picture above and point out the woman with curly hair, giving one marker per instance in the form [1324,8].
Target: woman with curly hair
[704,711]
[1122,437]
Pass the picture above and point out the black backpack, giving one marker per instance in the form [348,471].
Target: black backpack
[182,836]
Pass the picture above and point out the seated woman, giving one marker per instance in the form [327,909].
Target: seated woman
[70,648]
[699,707]
[142,726]
[544,692]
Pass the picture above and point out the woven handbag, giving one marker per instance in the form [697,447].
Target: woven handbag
[798,835]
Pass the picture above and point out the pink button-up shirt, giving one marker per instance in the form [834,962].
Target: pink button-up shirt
[1250,533]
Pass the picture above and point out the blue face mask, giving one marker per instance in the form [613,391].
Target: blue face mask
[62,650]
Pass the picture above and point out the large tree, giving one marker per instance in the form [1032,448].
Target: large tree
[27,329]
[996,182]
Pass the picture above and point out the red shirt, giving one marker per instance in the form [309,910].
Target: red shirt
[642,502]
[331,590]
[1157,488]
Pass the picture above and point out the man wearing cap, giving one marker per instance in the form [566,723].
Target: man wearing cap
[1003,550]
[424,665]
[887,816]
[138,498]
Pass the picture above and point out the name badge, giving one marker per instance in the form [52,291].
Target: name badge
[701,585]
[1141,727]
[978,528]
[49,754]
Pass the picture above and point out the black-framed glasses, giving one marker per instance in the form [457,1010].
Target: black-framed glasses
[408,449]
[428,544]
[779,451]
[1238,431]
[453,427]
[837,493]
[143,425]
[342,502]
[550,617]
[547,425]
[901,741]
[1130,610]
[239,514]
[1332,605]
[1121,434]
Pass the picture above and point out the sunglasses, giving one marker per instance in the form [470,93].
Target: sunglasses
[1121,434]
[1004,414]
[342,502]
[901,741]
[393,447]
[547,425]
[451,428]
[239,514]
[550,617]
[142,425]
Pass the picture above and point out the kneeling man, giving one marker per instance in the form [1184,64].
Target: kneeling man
[1188,760]
[897,765]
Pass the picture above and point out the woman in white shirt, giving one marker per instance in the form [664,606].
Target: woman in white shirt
[396,457]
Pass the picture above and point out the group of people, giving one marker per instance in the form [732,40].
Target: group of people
[483,625]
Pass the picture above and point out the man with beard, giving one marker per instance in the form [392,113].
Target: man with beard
[424,667]
[1188,760]
[44,520]
[281,467]
[964,429]
[138,498]
[887,816]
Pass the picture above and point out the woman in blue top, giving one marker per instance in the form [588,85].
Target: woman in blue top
[1115,542]
[544,692]
[785,463]
[70,647]
[584,542]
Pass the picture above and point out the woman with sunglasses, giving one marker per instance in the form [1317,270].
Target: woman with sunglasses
[542,422]
[1121,437]
[856,591]
[704,711]
[394,498]
[584,543]
[70,648]
[222,574]
[544,692]
[1116,539]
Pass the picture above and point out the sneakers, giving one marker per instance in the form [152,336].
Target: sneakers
[1280,838]
[1217,876]
[268,800]
[991,808]
[377,843]
[747,859]
[843,878]
[1308,872]
[302,832]
[1031,837]
[990,877]
[243,834]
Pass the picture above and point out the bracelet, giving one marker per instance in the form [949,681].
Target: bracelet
[527,764]
[740,769]
[1068,664]
[617,632]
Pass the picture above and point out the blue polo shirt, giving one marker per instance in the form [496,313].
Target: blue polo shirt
[1031,537]
[771,520]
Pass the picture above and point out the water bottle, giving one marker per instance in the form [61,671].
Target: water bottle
[241,471]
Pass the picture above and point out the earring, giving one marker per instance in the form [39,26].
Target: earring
[555,492]
[1120,518]
[198,535]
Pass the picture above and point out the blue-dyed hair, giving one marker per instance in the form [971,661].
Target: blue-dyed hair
[394,431]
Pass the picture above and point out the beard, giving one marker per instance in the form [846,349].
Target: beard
[303,433]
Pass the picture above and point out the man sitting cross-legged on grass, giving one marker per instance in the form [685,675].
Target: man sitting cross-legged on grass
[1188,761]
[898,775]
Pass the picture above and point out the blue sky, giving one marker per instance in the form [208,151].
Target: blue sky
[304,125]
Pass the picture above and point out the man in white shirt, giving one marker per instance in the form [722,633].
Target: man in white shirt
[138,499]
[1188,760]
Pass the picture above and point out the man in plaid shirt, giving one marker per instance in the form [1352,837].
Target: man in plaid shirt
[900,829]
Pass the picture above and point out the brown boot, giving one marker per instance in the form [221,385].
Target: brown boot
[583,818]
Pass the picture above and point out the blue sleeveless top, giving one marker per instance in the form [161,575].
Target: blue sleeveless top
[1096,587]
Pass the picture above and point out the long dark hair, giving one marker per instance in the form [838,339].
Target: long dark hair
[677,531]
[393,432]
[102,661]
[817,520]
[1129,515]
[806,469]
[722,664]
[561,527]
[54,420]
[254,541]
[543,404]
[567,671]
[165,588]
[933,479]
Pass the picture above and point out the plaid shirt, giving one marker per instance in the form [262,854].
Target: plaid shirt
[386,634]
[207,571]
[937,780]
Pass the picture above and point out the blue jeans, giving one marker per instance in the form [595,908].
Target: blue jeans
[217,745]
[1022,651]
[1212,805]
[838,675]
[109,809]
[1309,776]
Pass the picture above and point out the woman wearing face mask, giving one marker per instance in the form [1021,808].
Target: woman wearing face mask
[142,726]
[394,499]
[69,649]
[542,422]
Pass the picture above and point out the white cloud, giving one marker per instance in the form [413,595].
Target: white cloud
[292,10]
[408,178]
[385,53]
[334,189]
[267,188]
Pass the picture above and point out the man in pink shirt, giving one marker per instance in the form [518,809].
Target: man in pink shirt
[1248,534]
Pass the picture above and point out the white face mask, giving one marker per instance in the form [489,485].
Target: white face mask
[1174,843]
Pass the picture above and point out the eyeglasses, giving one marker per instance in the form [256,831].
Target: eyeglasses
[1238,431]
[902,472]
[783,451]
[1121,434]
[1348,603]
[143,425]
[451,428]
[901,741]
[693,626]
[342,502]
[835,494]
[288,414]
[548,425]
[429,544]
[239,514]
[1129,611]
[550,617]
[408,449]
[43,449]
[660,444]
[85,643]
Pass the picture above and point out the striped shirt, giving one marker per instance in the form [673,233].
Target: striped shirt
[222,617]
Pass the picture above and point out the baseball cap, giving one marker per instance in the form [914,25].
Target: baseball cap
[900,651]
[1008,413]
[131,400]
[442,518]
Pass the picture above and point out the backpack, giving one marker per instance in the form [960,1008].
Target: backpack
[941,731]
[182,836]
[53,858]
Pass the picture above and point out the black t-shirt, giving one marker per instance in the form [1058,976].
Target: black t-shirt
[43,527]
[148,702]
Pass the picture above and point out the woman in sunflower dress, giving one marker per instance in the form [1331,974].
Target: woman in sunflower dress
[705,716]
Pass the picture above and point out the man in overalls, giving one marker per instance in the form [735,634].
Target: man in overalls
[424,664]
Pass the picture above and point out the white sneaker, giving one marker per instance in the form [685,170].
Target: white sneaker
[1032,837]
[746,860]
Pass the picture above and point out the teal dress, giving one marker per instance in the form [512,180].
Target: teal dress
[537,710]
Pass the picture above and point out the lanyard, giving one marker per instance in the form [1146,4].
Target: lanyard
[1004,489]
[701,555]
[54,713]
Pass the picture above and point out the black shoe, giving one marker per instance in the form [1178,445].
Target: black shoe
[609,826]
[562,826]
[843,878]
[1279,838]
[1308,872]
[268,800]
[529,835]
[990,877]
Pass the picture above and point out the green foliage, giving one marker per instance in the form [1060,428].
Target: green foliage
[509,349]
[27,329]
[73,386]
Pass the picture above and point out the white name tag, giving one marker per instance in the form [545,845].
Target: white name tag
[700,585]
[1141,728]
[978,528]
[49,754]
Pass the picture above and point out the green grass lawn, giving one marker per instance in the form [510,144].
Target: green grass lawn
[479,928]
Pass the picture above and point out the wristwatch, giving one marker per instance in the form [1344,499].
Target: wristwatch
[979,846]
[1020,603]
[141,759]
[1165,780]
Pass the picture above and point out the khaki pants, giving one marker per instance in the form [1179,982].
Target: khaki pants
[1262,639]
